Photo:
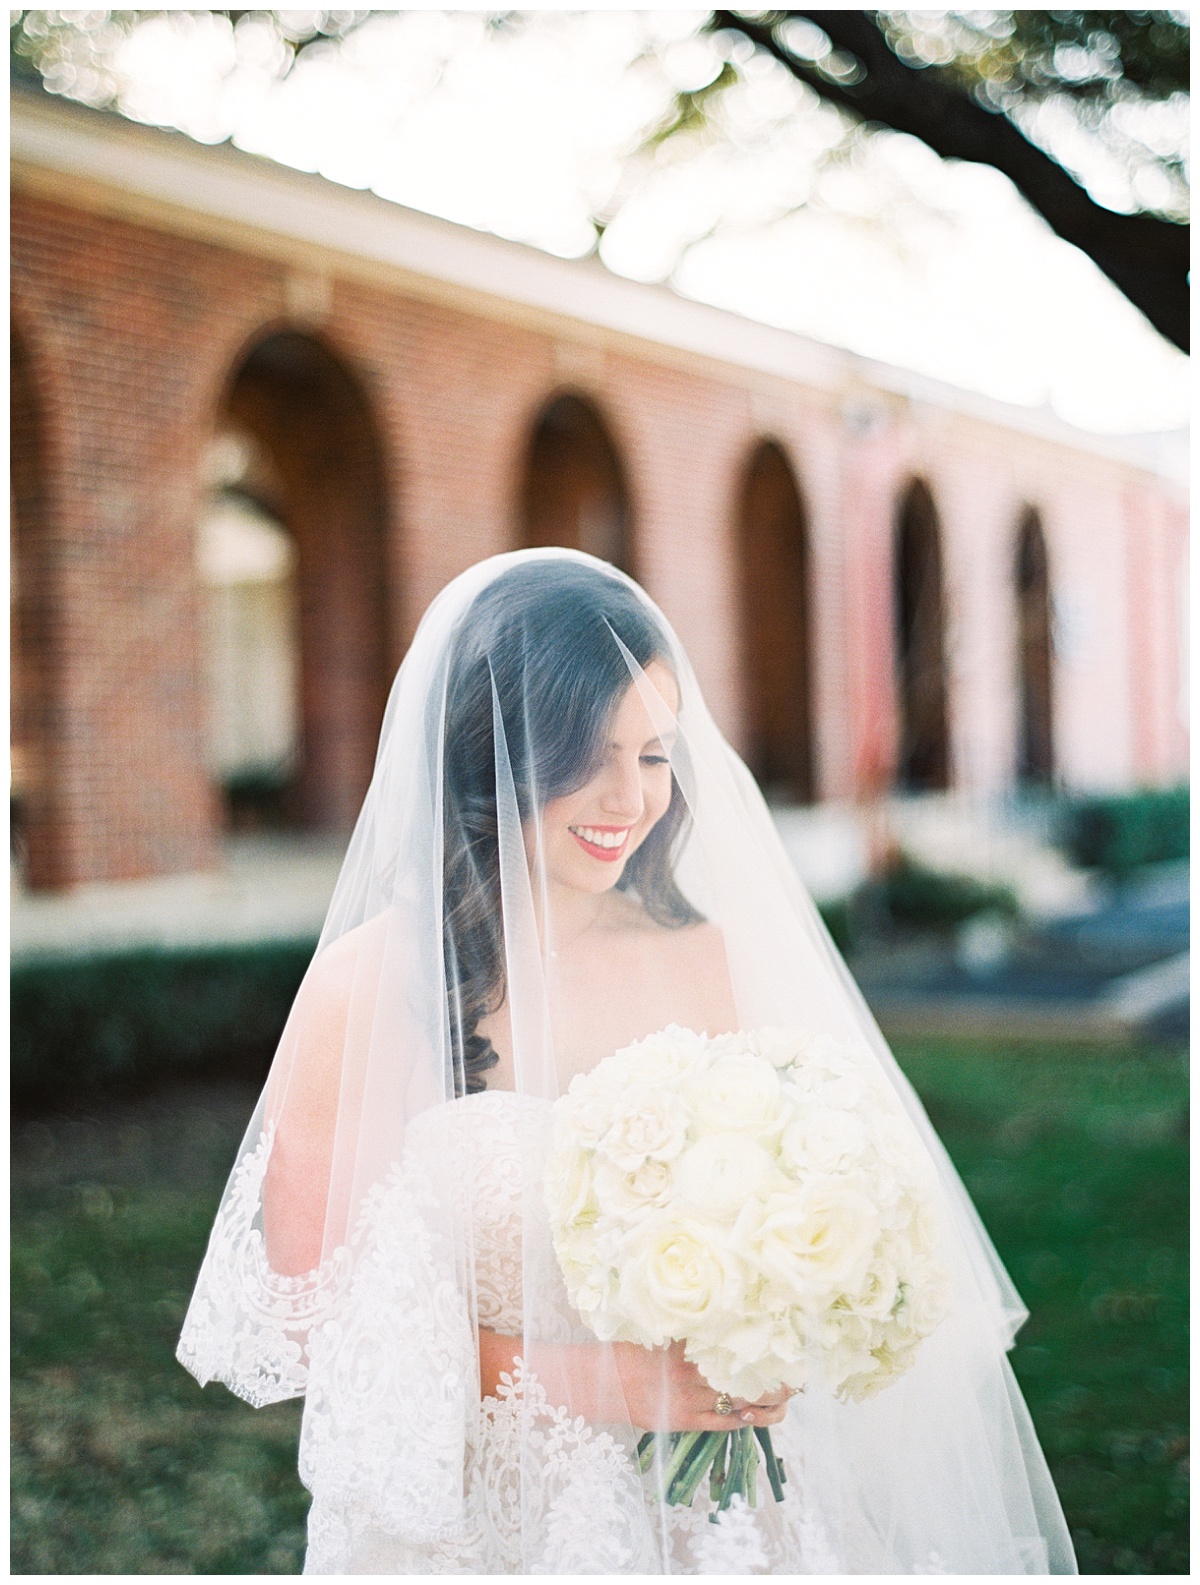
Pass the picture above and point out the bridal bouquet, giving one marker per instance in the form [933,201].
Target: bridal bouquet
[759,1196]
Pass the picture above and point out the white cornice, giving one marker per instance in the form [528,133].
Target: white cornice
[222,194]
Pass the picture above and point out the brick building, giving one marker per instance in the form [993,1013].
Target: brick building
[948,593]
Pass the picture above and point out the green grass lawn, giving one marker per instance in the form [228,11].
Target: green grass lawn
[121,1465]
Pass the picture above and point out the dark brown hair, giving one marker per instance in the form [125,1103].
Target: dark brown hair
[542,637]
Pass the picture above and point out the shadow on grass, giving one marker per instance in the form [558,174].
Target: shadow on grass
[121,1465]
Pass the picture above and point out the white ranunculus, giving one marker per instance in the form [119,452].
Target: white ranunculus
[736,1094]
[677,1279]
[652,1124]
[820,1139]
[720,1172]
[817,1239]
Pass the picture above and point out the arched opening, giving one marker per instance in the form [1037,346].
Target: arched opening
[923,747]
[293,553]
[776,626]
[574,490]
[1035,716]
[35,846]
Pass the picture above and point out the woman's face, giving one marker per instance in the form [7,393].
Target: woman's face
[588,836]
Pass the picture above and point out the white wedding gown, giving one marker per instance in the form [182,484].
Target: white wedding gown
[546,1494]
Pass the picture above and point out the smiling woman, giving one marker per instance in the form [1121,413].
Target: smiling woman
[560,862]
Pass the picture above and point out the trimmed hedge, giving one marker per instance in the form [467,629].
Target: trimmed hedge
[915,895]
[1118,833]
[105,1022]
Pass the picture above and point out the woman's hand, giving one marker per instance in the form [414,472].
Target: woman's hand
[621,1383]
[663,1392]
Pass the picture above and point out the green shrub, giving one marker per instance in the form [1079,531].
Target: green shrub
[915,895]
[85,1025]
[1119,832]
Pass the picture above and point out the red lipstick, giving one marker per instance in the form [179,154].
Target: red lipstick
[605,855]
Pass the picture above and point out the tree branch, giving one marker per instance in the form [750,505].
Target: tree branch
[1147,258]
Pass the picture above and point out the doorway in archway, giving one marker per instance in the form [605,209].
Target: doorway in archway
[574,490]
[1035,715]
[293,555]
[923,745]
[776,626]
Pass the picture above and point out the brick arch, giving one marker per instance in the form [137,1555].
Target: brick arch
[776,622]
[919,612]
[36,629]
[574,489]
[1035,705]
[303,403]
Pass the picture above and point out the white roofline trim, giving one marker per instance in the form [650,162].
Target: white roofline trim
[106,163]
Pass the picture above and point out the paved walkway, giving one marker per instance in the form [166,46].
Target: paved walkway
[1115,970]
[268,888]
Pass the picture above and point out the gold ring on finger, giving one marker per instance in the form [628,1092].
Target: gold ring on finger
[723,1405]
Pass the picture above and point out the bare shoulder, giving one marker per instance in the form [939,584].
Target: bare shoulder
[336,967]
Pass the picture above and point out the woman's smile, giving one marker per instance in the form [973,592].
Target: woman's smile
[606,843]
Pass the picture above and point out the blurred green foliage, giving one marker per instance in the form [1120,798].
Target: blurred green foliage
[90,1024]
[1118,833]
[914,894]
[1076,1159]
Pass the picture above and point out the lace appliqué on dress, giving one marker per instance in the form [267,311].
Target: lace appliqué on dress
[393,1372]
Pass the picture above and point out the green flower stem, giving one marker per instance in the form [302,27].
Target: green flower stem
[729,1458]
[774,1467]
[683,1446]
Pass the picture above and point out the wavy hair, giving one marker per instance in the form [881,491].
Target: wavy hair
[539,640]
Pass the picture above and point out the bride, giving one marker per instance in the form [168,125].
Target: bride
[558,856]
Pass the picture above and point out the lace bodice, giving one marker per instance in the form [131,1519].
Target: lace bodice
[492,1148]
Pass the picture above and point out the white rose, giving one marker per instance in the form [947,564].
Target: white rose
[820,1139]
[736,1093]
[815,1241]
[676,1278]
[569,1187]
[586,1112]
[661,1059]
[628,1196]
[720,1172]
[924,1300]
[877,1296]
[653,1123]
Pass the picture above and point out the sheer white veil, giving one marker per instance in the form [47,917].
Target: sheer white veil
[367,1232]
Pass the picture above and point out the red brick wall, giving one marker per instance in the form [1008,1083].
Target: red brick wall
[131,337]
